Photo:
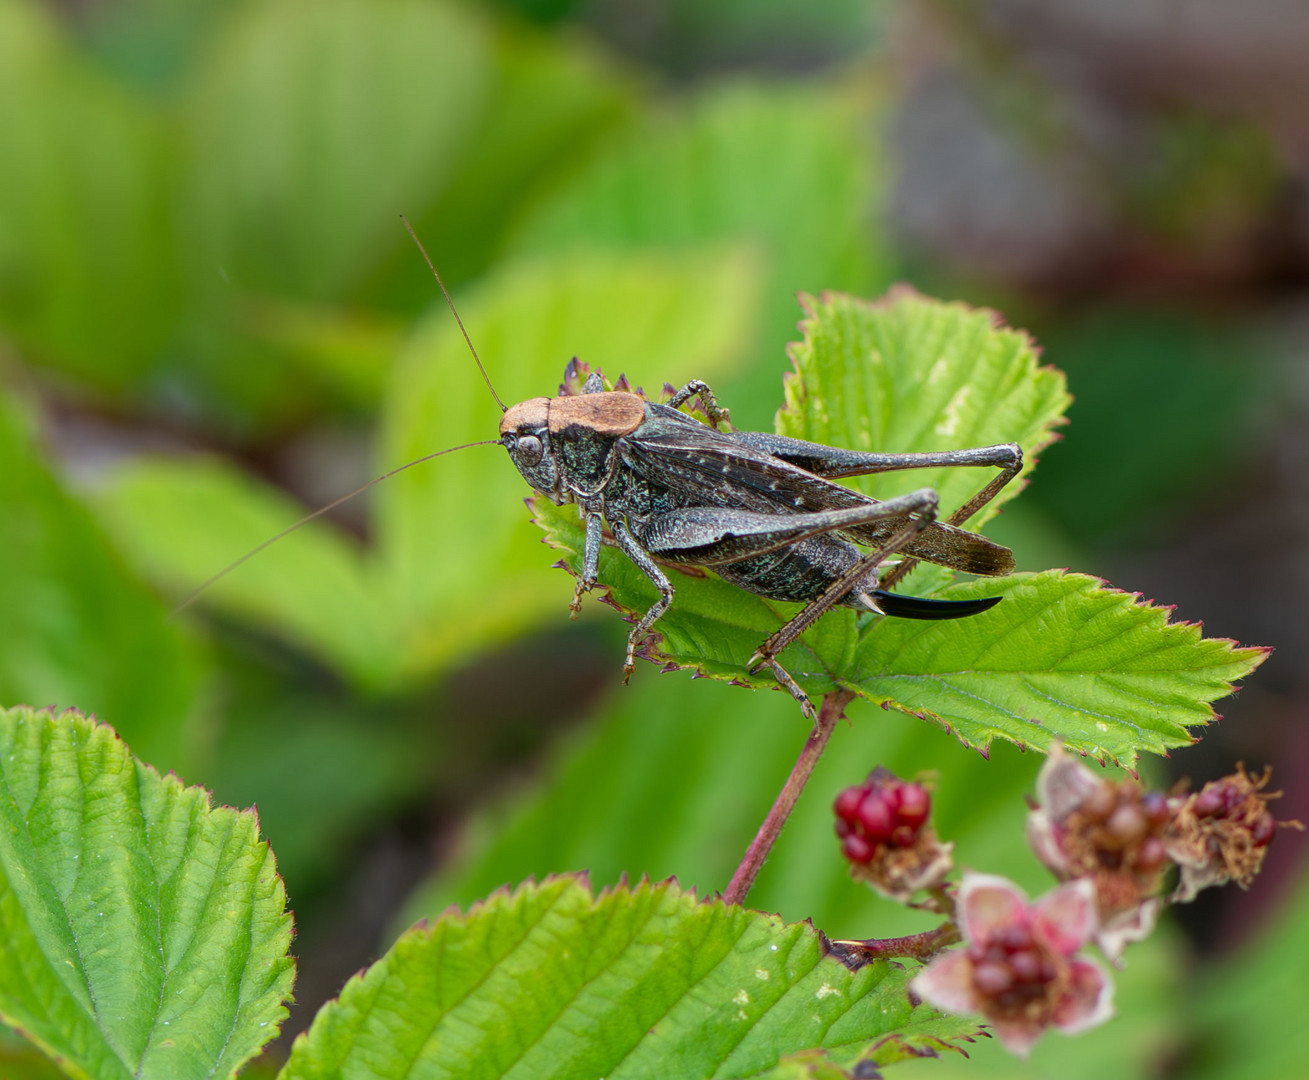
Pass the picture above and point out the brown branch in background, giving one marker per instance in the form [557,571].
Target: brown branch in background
[831,711]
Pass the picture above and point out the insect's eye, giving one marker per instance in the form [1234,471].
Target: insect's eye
[529,449]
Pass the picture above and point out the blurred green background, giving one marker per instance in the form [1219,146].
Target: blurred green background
[211,319]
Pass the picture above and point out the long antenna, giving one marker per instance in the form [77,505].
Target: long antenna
[486,378]
[191,596]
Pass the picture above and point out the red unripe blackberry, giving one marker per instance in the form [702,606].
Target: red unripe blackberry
[1261,832]
[856,849]
[847,803]
[1126,824]
[884,812]
[876,817]
[1150,856]
[915,805]
[993,978]
[1154,805]
[1209,803]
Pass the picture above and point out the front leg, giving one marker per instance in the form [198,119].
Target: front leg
[697,388]
[590,560]
[647,566]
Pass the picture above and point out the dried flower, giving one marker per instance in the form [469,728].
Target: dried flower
[886,837]
[1221,832]
[1018,967]
[1109,832]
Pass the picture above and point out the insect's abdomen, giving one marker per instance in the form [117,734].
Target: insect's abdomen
[800,572]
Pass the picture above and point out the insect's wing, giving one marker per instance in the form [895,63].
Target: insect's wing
[703,467]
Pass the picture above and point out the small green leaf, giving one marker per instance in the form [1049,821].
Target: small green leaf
[143,932]
[1060,659]
[645,981]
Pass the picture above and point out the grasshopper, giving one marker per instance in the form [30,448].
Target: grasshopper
[760,510]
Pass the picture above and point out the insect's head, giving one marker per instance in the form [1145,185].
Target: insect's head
[525,433]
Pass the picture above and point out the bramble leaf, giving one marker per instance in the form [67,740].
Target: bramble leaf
[143,932]
[1061,659]
[552,980]
[908,375]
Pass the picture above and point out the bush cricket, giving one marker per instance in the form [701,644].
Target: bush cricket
[762,511]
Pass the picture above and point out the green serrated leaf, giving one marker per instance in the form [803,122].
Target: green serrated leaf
[907,374]
[1063,658]
[1060,659]
[645,981]
[143,932]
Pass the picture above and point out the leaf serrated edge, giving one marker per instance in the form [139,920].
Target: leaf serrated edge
[1253,655]
[97,729]
[794,393]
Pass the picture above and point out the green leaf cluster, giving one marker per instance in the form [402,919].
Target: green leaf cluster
[145,935]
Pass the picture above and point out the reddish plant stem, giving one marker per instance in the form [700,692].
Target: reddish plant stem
[915,946]
[828,714]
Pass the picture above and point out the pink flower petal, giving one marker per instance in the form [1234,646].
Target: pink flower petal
[1018,1036]
[988,902]
[947,983]
[1089,1000]
[1044,842]
[1064,783]
[1066,916]
[1121,930]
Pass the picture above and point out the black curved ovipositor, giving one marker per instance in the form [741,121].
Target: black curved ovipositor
[917,607]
